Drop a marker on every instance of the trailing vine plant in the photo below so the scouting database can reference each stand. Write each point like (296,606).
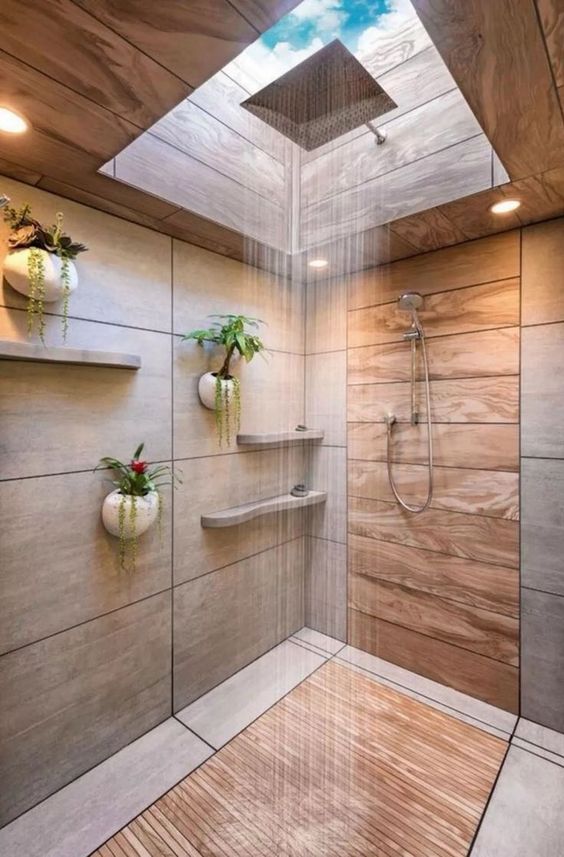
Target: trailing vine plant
(28,234)
(229,331)
(134,480)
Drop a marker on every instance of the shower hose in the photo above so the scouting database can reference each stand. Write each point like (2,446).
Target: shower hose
(390,422)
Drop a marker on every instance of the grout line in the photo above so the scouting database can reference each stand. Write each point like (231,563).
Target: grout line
(172,503)
(436,504)
(443,466)
(439,380)
(195,734)
(490,796)
(538,755)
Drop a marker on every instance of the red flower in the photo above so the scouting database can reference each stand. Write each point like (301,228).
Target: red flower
(139,466)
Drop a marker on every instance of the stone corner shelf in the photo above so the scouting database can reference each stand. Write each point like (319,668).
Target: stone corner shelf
(13,350)
(240,514)
(280,437)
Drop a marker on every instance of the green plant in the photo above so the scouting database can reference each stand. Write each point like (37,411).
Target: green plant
(136,479)
(28,234)
(229,332)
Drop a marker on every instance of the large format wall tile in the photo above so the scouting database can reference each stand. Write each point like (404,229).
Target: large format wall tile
(272,398)
(326,587)
(226,619)
(326,395)
(542,679)
(542,391)
(58,418)
(542,528)
(125,277)
(218,482)
(206,282)
(328,472)
(326,315)
(72,700)
(59,565)
(543,260)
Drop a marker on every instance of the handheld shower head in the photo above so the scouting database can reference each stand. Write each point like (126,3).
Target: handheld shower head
(411,302)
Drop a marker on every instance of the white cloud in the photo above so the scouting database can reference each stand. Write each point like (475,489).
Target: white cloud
(400,14)
(259,65)
(327,15)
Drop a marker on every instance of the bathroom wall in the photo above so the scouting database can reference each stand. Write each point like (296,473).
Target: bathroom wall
(542,463)
(438,593)
(92,657)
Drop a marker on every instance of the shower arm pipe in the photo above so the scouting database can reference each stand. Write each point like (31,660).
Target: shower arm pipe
(380,133)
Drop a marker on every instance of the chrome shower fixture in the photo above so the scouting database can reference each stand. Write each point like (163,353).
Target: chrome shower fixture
(4,200)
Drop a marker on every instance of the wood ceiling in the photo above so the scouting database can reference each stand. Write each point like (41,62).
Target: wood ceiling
(93,75)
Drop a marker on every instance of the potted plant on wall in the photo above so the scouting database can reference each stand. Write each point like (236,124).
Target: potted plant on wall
(136,503)
(39,265)
(220,391)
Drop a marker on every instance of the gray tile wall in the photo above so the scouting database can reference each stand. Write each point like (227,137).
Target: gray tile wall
(542,469)
(326,385)
(86,662)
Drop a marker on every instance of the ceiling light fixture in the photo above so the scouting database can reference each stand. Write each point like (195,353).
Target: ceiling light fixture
(11,122)
(318,263)
(505,207)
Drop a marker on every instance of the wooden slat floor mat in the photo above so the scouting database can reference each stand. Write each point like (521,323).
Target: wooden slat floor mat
(341,767)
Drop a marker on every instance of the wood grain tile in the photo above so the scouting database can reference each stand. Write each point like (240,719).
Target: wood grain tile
(470,627)
(82,413)
(419,790)
(491,305)
(252,475)
(450,665)
(541,196)
(470,536)
(484,261)
(469,355)
(226,619)
(475,584)
(326,311)
(473,216)
(428,230)
(79,696)
(543,257)
(77,576)
(473,400)
(479,492)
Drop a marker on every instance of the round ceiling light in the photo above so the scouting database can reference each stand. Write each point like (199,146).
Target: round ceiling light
(318,263)
(505,206)
(11,122)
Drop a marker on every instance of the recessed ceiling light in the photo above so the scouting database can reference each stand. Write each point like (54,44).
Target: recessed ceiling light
(505,207)
(318,263)
(11,122)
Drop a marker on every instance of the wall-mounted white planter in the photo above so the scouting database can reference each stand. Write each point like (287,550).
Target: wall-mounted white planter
(146,513)
(206,390)
(15,270)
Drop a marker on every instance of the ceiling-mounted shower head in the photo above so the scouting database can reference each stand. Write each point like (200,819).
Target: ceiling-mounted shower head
(322,98)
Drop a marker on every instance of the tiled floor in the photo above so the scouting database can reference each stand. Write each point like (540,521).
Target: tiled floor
(525,816)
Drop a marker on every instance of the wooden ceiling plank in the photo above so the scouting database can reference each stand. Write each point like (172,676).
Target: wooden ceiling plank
(541,196)
(18,172)
(428,230)
(496,53)
(472,215)
(191,40)
(60,113)
(62,41)
(551,13)
(263,14)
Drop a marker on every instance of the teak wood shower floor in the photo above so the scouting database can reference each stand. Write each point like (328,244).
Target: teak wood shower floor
(341,766)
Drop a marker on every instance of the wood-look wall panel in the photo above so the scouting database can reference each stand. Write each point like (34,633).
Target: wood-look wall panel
(445,175)
(450,121)
(395,46)
(410,84)
(428,230)
(191,184)
(469,355)
(478,492)
(450,665)
(483,307)
(262,14)
(465,400)
(490,634)
(484,261)
(541,196)
(482,446)
(476,584)
(470,536)
(484,44)
(211,142)
(90,58)
(191,40)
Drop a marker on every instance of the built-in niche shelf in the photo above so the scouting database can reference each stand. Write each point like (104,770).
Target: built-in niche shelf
(280,437)
(37,353)
(240,514)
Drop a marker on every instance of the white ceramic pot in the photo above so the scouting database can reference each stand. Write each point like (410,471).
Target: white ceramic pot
(15,271)
(146,513)
(206,390)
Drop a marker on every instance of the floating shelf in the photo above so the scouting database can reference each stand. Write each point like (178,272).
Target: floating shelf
(11,350)
(240,514)
(280,437)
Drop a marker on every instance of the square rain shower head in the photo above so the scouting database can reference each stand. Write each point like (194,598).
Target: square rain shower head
(322,98)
